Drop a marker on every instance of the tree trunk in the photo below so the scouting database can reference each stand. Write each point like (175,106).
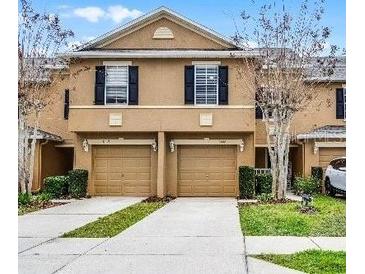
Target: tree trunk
(278,146)
(21,154)
(31,154)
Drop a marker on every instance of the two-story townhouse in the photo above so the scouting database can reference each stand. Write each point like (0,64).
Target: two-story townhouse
(161,110)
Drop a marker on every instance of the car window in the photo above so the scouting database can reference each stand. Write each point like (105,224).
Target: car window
(341,163)
(333,163)
(338,163)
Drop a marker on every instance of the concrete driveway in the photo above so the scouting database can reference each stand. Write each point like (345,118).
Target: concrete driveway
(44,225)
(188,235)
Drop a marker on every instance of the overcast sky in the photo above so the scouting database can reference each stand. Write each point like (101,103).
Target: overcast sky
(91,18)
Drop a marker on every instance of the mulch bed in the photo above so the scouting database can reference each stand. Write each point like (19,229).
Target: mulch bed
(35,206)
(154,199)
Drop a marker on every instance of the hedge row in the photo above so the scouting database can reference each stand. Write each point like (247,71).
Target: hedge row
(73,184)
(251,184)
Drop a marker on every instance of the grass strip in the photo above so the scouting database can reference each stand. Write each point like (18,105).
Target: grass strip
(116,222)
(311,261)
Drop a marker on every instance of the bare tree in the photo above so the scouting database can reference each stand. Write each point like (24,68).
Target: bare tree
(40,38)
(292,59)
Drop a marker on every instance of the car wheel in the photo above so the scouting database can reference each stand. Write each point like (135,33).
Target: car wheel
(329,189)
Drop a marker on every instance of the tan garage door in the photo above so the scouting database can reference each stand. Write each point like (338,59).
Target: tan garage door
(207,171)
(327,154)
(122,170)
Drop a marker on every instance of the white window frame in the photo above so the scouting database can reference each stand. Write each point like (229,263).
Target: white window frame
(217,93)
(116,64)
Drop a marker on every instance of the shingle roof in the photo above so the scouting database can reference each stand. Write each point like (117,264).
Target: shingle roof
(328,132)
(44,135)
(339,72)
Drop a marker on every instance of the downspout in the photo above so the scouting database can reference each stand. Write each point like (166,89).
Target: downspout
(40,163)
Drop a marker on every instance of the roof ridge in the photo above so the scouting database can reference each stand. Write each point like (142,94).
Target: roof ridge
(149,14)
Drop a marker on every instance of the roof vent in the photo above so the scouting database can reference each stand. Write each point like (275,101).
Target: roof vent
(163,33)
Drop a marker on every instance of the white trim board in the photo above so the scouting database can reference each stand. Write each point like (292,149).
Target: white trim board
(162,107)
(264,145)
(121,141)
(206,141)
(117,63)
(318,145)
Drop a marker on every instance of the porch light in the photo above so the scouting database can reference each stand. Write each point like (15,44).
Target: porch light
(154,146)
(85,145)
(172,146)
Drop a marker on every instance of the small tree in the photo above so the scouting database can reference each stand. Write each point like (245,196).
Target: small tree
(290,63)
(40,38)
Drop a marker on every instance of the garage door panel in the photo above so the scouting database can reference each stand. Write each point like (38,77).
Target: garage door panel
(207,171)
(122,170)
(101,152)
(326,155)
(215,176)
(100,176)
(114,176)
(115,152)
(101,163)
(136,152)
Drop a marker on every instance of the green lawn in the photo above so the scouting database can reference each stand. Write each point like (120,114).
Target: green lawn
(311,261)
(115,223)
(286,220)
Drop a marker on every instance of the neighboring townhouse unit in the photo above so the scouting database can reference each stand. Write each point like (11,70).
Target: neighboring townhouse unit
(159,108)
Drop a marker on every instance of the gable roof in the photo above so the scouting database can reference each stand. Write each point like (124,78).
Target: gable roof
(156,14)
(328,132)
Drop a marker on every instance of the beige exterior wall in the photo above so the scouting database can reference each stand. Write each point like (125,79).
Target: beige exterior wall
(162,114)
(161,82)
(321,112)
(143,38)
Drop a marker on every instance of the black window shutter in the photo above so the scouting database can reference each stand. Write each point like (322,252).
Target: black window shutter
(133,85)
(189,84)
(66,104)
(340,107)
(99,85)
(223,85)
(258,109)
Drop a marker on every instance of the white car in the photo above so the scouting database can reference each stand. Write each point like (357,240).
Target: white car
(335,177)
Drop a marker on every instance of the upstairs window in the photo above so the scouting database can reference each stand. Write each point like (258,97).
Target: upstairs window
(206,84)
(116,85)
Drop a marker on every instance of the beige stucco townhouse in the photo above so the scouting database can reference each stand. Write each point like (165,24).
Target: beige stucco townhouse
(159,109)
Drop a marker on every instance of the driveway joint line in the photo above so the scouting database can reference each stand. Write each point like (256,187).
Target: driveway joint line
(19,253)
(310,238)
(79,255)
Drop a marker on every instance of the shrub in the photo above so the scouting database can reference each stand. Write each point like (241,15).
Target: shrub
(56,186)
(317,172)
(265,197)
(77,183)
(24,199)
(42,197)
(246,182)
(263,183)
(309,185)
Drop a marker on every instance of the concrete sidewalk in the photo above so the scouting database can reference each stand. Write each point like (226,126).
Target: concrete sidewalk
(256,245)
(188,235)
